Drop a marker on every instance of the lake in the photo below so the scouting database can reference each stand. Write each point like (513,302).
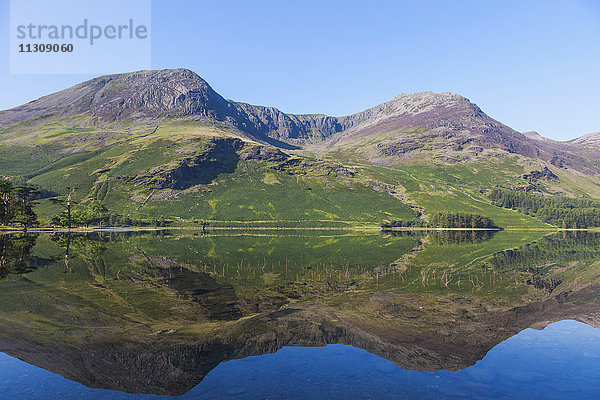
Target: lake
(300,314)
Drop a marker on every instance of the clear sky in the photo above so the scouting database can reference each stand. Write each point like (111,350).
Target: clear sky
(533,65)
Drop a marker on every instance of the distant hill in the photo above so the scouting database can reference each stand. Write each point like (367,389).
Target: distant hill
(589,141)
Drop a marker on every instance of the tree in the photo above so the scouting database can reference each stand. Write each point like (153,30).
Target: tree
(17,204)
(67,203)
(6,197)
(89,213)
(95,213)
(24,214)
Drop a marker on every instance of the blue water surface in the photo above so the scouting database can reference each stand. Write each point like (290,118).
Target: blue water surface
(561,361)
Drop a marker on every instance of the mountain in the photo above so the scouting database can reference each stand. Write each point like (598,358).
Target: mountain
(589,141)
(536,136)
(146,96)
(152,143)
(149,96)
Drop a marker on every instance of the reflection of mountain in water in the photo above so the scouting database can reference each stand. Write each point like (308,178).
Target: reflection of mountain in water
(149,323)
(219,299)
(446,237)
(560,248)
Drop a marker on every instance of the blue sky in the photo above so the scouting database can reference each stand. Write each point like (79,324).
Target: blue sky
(533,65)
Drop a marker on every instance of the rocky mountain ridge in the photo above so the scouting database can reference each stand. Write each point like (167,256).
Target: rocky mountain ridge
(410,122)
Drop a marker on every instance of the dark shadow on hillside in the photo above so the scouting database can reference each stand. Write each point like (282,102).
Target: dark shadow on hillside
(210,159)
(280,144)
(203,169)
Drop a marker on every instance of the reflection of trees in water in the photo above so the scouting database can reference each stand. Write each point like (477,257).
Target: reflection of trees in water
(407,233)
(453,238)
(88,245)
(15,254)
(445,238)
(16,257)
(558,248)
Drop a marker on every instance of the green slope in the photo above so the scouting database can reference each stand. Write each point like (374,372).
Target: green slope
(192,171)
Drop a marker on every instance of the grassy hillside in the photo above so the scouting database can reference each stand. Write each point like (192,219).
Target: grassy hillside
(457,188)
(188,170)
(164,144)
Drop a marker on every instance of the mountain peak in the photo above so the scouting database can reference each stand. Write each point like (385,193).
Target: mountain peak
(536,136)
(139,94)
(407,126)
(428,95)
(420,102)
(591,140)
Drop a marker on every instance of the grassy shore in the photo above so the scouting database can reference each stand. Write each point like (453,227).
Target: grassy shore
(271,226)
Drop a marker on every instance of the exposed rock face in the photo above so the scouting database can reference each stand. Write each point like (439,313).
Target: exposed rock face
(276,124)
(263,153)
(544,175)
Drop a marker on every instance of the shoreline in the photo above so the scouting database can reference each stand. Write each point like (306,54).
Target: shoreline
(362,228)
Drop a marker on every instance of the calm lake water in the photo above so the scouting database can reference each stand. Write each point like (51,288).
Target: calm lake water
(118,315)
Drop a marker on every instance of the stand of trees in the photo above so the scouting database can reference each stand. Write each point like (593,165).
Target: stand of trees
(446,219)
(561,211)
(400,223)
(17,204)
(91,213)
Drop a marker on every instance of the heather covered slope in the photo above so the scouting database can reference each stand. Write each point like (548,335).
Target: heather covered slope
(404,124)
(443,128)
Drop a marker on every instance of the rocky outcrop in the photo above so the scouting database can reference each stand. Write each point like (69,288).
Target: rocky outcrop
(263,153)
(212,158)
(545,174)
(271,122)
